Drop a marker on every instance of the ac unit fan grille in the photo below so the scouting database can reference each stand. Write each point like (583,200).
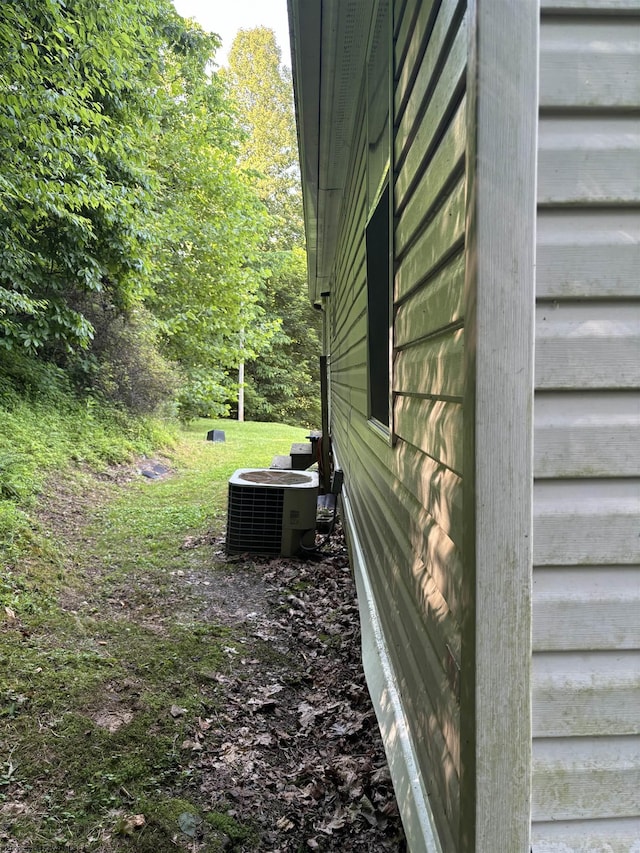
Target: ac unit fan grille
(254,520)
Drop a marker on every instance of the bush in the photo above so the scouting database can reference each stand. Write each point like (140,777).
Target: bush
(123,364)
(204,395)
(25,377)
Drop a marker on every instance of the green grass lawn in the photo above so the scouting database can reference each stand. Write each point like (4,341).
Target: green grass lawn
(91,623)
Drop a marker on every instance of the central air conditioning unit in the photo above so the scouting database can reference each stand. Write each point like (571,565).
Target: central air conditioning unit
(271,512)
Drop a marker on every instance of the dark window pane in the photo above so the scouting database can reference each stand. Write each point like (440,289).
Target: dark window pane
(378,294)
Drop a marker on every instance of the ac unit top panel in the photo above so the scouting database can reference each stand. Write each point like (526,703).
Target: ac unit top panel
(275,478)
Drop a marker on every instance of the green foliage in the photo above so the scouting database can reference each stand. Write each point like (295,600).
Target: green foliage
(23,377)
(124,365)
(208,227)
(282,384)
(205,394)
(76,86)
(15,531)
(263,91)
(119,186)
(46,432)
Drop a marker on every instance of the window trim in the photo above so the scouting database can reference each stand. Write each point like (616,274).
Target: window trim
(384,430)
(377,286)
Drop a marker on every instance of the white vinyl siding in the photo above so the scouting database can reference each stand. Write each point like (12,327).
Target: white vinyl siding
(586,577)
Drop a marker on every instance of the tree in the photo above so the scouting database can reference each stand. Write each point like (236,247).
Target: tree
(119,191)
(283,383)
(208,227)
(76,101)
(263,92)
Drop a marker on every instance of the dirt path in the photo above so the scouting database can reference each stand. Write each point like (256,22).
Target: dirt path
(274,745)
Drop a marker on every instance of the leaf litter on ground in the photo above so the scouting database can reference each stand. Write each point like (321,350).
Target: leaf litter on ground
(282,739)
(297,749)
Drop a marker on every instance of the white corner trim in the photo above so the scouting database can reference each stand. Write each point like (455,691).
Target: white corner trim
(411,794)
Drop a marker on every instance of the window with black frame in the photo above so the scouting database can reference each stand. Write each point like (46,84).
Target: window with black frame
(378,234)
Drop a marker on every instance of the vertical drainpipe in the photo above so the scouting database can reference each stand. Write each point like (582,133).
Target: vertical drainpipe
(324,403)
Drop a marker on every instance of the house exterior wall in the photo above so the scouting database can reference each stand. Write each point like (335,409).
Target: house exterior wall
(433,557)
(406,495)
(482,456)
(586,577)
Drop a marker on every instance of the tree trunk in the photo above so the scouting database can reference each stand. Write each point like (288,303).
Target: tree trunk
(241,391)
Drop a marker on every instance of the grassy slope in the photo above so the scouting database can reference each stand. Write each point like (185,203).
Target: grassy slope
(38,438)
(94,628)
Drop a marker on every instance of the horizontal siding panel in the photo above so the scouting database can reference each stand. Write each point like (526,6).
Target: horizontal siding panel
(440,303)
(414,514)
(433,426)
(586,522)
(587,254)
(349,268)
(359,400)
(439,240)
(586,587)
(587,346)
(354,327)
(589,161)
(434,487)
(352,259)
(354,356)
(593,836)
(587,62)
(353,377)
(447,159)
(430,709)
(435,620)
(402,14)
(437,724)
(408,42)
(425,135)
(340,433)
(585,778)
(353,323)
(350,378)
(587,435)
(590,6)
(425,544)
(413,640)
(434,366)
(410,101)
(357,285)
(591,608)
(428,633)
(373,492)
(356,301)
(583,694)
(345,399)
(443,561)
(355,274)
(328,204)
(418,539)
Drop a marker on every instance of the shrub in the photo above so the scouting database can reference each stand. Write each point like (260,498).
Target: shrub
(123,364)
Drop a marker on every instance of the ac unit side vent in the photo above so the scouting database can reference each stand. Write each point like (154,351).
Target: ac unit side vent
(254,521)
